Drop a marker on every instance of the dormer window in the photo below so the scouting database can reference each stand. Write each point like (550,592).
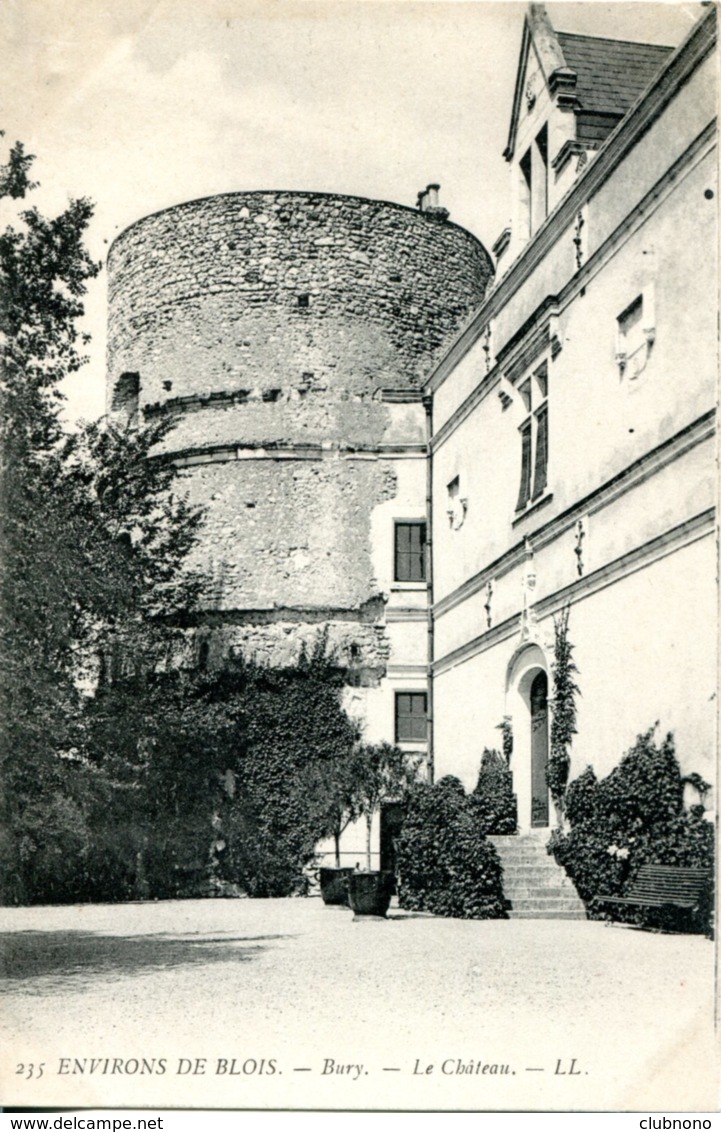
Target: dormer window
(571,92)
(541,201)
(525,196)
(533,185)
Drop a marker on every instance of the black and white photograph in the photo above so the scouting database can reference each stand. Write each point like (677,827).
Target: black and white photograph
(358,556)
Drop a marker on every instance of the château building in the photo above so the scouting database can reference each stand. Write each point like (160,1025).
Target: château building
(428,453)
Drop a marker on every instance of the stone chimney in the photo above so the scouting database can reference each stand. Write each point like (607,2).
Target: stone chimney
(428,203)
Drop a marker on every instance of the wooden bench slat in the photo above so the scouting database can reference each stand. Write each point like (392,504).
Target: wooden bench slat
(663,886)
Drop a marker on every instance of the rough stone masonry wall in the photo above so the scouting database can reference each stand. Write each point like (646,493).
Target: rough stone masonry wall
(288,533)
(269,323)
(211,295)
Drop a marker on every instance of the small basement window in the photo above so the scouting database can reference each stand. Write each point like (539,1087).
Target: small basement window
(303,301)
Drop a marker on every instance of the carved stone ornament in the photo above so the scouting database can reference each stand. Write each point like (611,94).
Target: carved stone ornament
(487,348)
(488,605)
(456,512)
(531,92)
(578,239)
(528,590)
(580,534)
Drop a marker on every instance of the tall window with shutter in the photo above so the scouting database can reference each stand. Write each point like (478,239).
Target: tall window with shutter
(524,491)
(411,717)
(534,438)
(410,552)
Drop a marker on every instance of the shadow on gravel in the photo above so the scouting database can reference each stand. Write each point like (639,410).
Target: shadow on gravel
(36,954)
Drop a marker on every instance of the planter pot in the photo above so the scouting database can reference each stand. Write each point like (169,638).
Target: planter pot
(334,885)
(369,894)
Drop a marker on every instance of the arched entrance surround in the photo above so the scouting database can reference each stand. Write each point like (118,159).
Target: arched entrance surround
(527,689)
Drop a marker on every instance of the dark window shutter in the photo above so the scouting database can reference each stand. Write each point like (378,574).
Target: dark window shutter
(540,471)
(411,714)
(524,492)
(410,552)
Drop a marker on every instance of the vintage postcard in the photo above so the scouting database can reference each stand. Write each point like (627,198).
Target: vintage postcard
(359,598)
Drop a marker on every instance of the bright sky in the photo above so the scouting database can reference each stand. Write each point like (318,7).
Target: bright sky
(140,104)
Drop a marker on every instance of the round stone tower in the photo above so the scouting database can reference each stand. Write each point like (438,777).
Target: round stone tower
(289,335)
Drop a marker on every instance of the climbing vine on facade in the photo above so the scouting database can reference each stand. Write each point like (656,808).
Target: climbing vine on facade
(506,729)
(563,709)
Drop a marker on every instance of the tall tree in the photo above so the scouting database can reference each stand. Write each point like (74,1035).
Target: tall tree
(92,536)
(44,271)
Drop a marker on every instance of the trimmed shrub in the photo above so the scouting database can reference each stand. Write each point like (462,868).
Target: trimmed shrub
(634,816)
(494,794)
(446,865)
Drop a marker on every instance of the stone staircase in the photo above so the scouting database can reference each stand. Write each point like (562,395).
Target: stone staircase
(536,886)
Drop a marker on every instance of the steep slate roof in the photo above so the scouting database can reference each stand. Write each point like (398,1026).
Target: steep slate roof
(599,79)
(612,73)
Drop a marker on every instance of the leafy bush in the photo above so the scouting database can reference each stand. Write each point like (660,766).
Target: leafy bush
(76,846)
(445,863)
(506,729)
(494,794)
(634,816)
(219,782)
(289,721)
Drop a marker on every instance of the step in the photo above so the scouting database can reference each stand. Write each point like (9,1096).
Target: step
(533,883)
(541,915)
(521,857)
(550,884)
(535,886)
(547,897)
(504,839)
(529,873)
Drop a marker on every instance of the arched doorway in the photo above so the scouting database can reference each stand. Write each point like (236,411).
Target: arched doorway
(539,750)
(527,705)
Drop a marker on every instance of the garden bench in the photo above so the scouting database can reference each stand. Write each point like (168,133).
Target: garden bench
(670,888)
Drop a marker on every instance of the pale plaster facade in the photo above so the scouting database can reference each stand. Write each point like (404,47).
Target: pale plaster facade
(611,300)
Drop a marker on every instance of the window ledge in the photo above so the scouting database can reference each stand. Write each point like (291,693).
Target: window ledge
(404,587)
(537,506)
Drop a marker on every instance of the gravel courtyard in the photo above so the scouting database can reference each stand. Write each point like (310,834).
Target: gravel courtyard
(286,1003)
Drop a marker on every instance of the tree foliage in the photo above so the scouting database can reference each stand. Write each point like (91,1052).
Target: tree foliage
(124,773)
(633,816)
(233,772)
(563,709)
(93,541)
(494,793)
(380,773)
(446,864)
